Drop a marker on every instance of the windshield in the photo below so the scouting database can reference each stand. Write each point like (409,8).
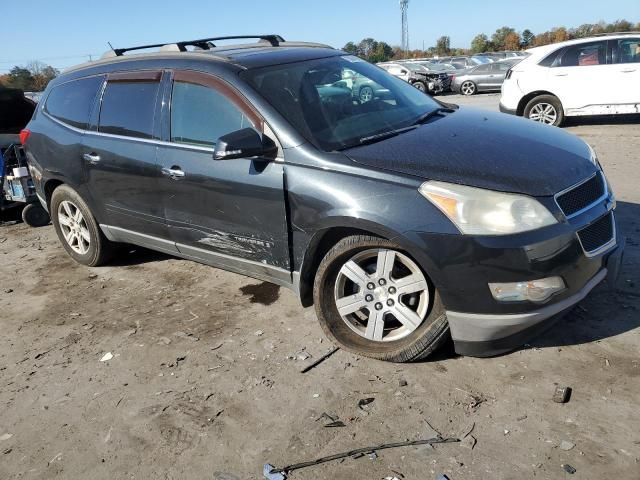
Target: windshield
(340,101)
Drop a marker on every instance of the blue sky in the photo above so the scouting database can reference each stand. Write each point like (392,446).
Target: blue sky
(64,32)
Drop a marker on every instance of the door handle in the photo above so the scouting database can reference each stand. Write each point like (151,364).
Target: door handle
(91,158)
(175,173)
(629,70)
(560,74)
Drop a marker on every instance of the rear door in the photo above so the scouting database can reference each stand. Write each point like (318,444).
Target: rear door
(228,213)
(481,77)
(625,74)
(120,154)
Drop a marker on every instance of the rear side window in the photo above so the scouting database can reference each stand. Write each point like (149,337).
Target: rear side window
(584,55)
(628,50)
(71,102)
(200,115)
(128,108)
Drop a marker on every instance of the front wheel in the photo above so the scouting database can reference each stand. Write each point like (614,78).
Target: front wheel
(373,299)
(420,86)
(545,109)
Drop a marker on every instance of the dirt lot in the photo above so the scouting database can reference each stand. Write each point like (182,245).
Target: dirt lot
(205,378)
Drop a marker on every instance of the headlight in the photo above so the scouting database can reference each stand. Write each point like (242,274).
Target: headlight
(476,211)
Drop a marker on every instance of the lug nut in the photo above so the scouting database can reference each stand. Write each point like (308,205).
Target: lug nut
(382,281)
(378,306)
(369,298)
(371,285)
(392,290)
(390,303)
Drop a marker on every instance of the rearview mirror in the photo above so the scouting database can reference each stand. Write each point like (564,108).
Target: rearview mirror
(245,143)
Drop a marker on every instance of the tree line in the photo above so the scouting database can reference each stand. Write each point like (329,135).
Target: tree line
(504,38)
(32,78)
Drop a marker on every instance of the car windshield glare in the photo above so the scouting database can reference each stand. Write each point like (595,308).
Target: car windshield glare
(337,102)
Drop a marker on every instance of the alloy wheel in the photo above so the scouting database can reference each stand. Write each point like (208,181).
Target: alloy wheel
(74,227)
(543,113)
(468,88)
(366,94)
(381,295)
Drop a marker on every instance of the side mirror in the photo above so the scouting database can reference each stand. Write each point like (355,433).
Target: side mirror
(245,143)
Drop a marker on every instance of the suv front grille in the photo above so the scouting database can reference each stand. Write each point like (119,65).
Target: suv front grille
(582,196)
(598,234)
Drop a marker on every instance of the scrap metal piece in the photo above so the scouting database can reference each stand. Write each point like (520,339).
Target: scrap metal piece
(319,360)
(271,473)
(270,470)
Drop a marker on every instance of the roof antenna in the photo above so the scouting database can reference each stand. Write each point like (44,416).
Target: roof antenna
(111,46)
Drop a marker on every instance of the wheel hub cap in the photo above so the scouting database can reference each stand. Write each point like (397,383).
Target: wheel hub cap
(543,113)
(73,227)
(381,295)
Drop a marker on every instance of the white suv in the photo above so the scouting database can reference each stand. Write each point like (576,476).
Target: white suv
(589,76)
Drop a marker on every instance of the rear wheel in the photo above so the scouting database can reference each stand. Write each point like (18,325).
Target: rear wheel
(366,94)
(77,229)
(468,88)
(372,299)
(35,215)
(545,109)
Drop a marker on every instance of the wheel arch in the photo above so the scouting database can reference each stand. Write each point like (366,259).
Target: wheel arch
(49,187)
(530,96)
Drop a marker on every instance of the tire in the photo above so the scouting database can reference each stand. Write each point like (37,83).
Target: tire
(545,109)
(468,88)
(420,86)
(35,215)
(365,94)
(396,341)
(87,244)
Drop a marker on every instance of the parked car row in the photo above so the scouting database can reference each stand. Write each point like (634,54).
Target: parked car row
(425,78)
(482,78)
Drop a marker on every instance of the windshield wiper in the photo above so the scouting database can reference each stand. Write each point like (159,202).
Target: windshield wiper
(384,135)
(438,111)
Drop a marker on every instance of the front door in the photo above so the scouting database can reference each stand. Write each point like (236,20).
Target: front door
(120,157)
(228,213)
(625,74)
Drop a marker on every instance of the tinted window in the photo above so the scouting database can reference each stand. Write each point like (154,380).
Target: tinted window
(628,50)
(128,108)
(200,115)
(500,67)
(71,102)
(584,55)
(482,69)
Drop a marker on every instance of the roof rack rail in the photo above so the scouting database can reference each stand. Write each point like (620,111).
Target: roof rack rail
(607,34)
(202,43)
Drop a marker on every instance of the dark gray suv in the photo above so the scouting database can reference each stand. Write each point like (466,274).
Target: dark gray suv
(402,219)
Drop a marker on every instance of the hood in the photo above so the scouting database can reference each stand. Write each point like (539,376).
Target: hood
(484,149)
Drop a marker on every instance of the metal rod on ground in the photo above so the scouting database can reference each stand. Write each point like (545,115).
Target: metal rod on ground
(297,466)
(319,360)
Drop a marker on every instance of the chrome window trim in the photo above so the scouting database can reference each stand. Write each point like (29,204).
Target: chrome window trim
(592,204)
(603,248)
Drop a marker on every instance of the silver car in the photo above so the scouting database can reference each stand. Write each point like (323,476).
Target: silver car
(483,78)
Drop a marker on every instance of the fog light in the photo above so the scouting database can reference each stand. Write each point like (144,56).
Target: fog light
(533,290)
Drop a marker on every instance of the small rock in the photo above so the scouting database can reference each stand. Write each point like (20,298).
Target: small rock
(106,357)
(373,455)
(128,333)
(506,432)
(568,468)
(7,451)
(566,445)
(92,276)
(303,356)
(87,326)
(402,382)
(258,333)
(5,436)
(164,341)
(316,395)
(8,290)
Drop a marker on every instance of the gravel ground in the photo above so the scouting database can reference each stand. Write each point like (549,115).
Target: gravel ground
(204,380)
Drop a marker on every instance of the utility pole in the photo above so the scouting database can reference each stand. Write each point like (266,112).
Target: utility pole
(404,5)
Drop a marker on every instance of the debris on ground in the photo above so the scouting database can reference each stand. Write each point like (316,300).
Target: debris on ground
(258,333)
(402,382)
(363,402)
(566,445)
(186,336)
(7,451)
(272,473)
(562,394)
(333,421)
(468,442)
(373,456)
(106,357)
(5,436)
(442,476)
(568,468)
(319,360)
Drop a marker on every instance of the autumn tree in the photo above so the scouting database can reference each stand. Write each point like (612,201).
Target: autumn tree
(512,41)
(480,44)
(498,39)
(443,45)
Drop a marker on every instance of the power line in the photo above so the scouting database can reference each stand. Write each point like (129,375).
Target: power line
(67,57)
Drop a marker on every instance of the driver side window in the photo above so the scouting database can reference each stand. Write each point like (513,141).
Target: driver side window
(201,114)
